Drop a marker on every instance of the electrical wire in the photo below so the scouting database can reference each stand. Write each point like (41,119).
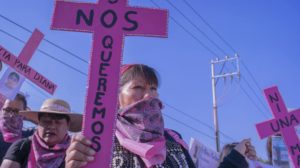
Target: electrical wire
(75,56)
(197,120)
(223,40)
(208,25)
(45,53)
(48,41)
(196,27)
(186,125)
(223,66)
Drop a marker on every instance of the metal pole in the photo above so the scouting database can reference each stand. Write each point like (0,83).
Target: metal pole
(215,109)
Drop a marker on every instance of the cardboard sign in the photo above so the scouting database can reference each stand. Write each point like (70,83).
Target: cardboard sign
(280,155)
(202,156)
(283,123)
(11,83)
(109,21)
(20,64)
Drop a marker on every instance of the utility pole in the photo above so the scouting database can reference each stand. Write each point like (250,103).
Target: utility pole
(215,77)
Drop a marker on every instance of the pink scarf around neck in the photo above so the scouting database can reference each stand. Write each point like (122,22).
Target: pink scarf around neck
(11,127)
(42,156)
(140,129)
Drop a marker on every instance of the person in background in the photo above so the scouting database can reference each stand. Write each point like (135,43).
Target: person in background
(47,146)
(11,123)
(234,155)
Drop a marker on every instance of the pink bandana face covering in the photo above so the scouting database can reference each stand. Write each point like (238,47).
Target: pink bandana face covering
(42,156)
(140,129)
(11,127)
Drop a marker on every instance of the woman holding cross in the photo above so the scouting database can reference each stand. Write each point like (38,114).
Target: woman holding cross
(141,140)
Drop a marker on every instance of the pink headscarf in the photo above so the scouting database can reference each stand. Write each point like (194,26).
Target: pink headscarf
(126,67)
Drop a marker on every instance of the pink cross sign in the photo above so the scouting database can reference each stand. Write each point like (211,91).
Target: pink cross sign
(284,123)
(19,64)
(109,21)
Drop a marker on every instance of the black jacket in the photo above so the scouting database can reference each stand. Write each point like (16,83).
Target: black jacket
(234,160)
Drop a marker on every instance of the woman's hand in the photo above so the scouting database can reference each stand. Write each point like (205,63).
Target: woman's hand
(250,152)
(79,152)
(246,149)
(241,147)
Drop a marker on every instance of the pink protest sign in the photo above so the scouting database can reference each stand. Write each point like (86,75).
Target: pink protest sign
(20,64)
(31,46)
(283,123)
(109,21)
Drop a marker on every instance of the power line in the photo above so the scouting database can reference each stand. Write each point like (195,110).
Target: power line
(249,97)
(48,41)
(210,27)
(221,70)
(258,97)
(188,32)
(16,38)
(193,36)
(253,102)
(197,120)
(67,51)
(257,85)
(251,75)
(226,89)
(190,6)
(45,53)
(77,57)
(58,60)
(222,39)
(251,88)
(202,32)
(186,125)
(195,26)
(37,89)
(230,46)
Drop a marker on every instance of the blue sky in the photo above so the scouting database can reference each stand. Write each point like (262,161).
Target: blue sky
(265,34)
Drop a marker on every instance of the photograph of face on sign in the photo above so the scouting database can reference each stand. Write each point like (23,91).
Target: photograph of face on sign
(10,83)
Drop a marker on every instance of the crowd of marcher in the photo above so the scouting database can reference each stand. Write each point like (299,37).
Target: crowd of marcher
(141,139)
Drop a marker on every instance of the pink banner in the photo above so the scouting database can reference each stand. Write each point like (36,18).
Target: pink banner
(25,70)
(109,21)
(283,123)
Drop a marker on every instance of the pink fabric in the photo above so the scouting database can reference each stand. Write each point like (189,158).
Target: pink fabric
(140,129)
(31,163)
(125,67)
(11,127)
(177,138)
(42,156)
